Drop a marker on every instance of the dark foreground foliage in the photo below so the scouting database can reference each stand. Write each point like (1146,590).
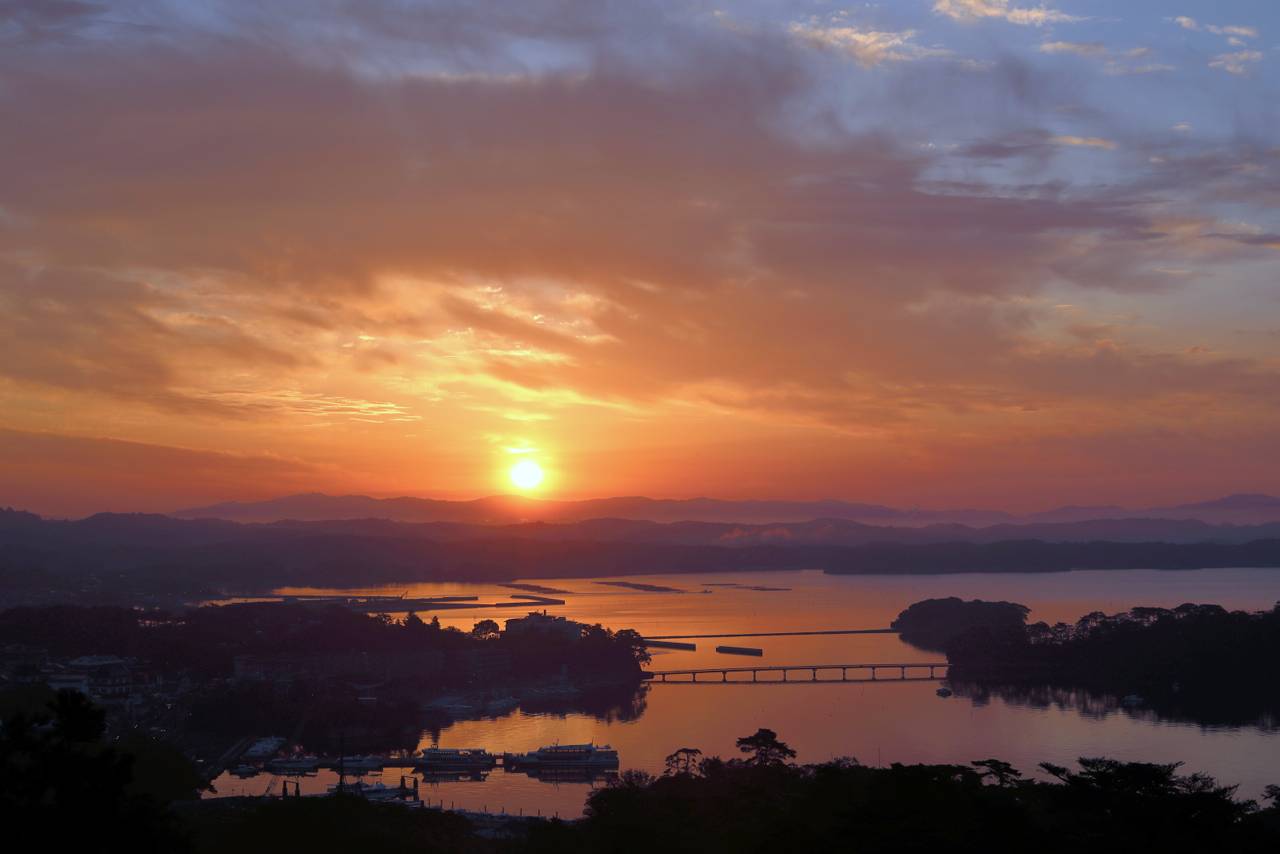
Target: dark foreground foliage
(62,788)
(763,804)
(342,823)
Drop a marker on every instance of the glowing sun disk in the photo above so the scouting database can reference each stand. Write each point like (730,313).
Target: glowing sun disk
(526,474)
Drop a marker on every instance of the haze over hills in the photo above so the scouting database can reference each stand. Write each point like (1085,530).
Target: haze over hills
(122,555)
(1239,509)
(111,554)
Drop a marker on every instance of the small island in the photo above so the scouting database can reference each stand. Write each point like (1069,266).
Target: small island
(1193,662)
(934,623)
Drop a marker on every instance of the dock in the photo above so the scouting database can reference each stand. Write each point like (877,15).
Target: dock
(665,644)
(740,650)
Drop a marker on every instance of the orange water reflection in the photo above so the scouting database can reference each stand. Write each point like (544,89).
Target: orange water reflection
(879,723)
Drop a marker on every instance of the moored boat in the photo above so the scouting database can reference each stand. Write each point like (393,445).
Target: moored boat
(358,764)
(294,765)
(564,756)
(373,791)
(455,759)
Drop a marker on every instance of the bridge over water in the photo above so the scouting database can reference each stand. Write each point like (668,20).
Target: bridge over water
(805,673)
(775,634)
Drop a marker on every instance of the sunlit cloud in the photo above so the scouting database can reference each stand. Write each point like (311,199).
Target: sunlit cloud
(1114,62)
(1084,142)
(1236,62)
(631,229)
(867,47)
(1232,30)
(973,10)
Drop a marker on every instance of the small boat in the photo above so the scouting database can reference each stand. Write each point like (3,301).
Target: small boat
(371,791)
(442,759)
(264,747)
(563,756)
(359,764)
(943,692)
(432,774)
(294,765)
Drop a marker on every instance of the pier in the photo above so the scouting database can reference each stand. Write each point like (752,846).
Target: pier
(801,674)
(663,644)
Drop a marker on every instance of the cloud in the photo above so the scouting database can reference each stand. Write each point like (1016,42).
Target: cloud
(1084,142)
(1236,62)
(1078,48)
(1234,30)
(1115,62)
(33,21)
(867,47)
(973,10)
(83,330)
(65,474)
(342,234)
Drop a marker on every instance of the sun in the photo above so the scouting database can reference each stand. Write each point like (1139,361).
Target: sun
(526,474)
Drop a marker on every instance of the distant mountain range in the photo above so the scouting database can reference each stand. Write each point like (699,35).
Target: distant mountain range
(109,530)
(143,554)
(1242,509)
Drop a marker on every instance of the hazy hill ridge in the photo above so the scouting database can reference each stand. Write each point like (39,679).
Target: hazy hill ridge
(1241,509)
(154,552)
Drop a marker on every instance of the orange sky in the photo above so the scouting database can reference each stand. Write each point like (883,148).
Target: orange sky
(674,254)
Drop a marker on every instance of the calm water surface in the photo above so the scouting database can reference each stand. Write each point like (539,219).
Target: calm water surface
(880,723)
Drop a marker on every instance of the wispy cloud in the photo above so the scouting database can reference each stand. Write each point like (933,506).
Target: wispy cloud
(1077,48)
(867,47)
(1115,62)
(973,10)
(1236,62)
(1231,30)
(1084,142)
